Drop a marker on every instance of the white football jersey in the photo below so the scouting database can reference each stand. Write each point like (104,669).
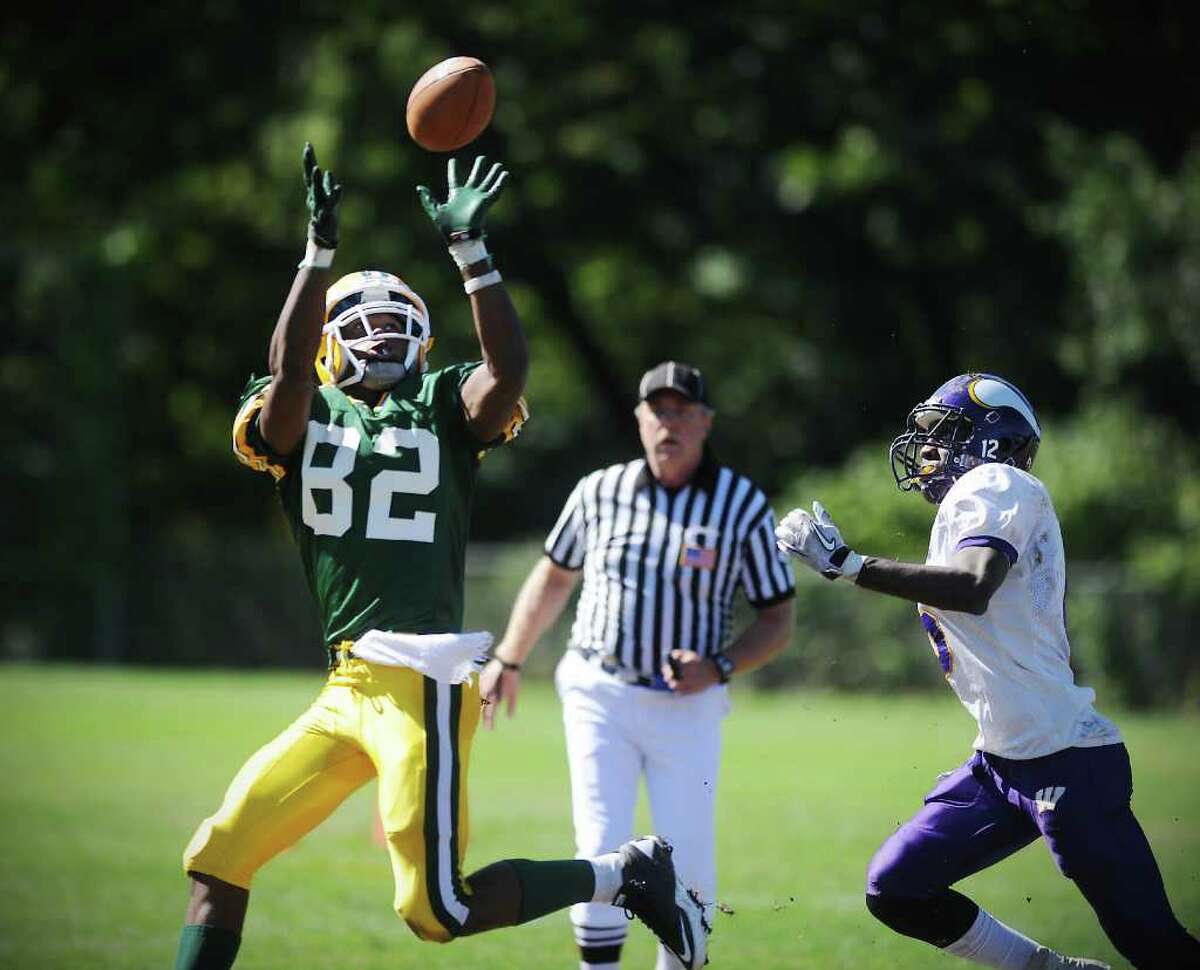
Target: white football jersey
(1010,667)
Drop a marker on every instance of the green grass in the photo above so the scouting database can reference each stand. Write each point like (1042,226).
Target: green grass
(104,773)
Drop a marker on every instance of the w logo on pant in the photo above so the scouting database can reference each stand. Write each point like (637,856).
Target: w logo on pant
(1047,798)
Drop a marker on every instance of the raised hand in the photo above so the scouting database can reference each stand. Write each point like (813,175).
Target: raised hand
(816,541)
(324,194)
(462,215)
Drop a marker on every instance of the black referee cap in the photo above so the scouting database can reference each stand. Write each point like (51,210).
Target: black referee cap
(671,375)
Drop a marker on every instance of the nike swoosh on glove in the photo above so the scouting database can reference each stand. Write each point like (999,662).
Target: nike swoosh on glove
(815,540)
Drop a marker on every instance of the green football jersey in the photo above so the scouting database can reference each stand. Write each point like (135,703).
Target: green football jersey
(379,501)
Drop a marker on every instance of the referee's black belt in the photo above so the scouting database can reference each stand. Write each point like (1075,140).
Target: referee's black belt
(611,665)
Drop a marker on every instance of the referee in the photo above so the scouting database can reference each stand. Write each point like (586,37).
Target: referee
(663,543)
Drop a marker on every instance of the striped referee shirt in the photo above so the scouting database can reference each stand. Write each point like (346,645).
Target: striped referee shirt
(661,566)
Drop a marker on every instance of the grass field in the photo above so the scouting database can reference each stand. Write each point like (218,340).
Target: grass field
(105,773)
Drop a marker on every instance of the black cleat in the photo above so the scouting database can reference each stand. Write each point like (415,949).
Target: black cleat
(652,892)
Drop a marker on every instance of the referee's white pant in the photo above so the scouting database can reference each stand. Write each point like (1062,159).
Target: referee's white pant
(616,732)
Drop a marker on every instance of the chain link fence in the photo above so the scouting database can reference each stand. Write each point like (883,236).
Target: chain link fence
(230,600)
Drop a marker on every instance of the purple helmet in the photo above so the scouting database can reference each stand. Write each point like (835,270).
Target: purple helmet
(970,420)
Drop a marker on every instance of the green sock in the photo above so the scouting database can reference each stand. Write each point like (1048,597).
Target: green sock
(547,886)
(206,948)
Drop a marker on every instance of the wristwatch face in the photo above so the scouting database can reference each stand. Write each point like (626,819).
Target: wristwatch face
(724,666)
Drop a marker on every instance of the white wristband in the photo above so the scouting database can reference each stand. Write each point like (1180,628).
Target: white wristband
(477,283)
(468,251)
(316,257)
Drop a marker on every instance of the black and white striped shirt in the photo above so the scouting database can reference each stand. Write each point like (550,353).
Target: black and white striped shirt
(660,567)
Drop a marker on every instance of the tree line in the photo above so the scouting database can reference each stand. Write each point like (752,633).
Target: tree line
(828,209)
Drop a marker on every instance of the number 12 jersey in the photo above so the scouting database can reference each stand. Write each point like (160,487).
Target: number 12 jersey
(1010,667)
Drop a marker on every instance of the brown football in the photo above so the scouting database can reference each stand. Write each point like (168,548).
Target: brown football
(451,104)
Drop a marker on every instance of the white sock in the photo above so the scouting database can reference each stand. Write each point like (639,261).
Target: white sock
(599,966)
(607,868)
(992,944)
(666,960)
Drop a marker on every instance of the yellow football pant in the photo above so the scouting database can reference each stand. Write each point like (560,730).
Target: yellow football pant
(411,732)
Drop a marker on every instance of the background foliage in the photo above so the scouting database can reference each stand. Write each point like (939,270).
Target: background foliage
(828,207)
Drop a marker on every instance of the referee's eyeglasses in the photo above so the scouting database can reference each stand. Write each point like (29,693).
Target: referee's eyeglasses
(674,410)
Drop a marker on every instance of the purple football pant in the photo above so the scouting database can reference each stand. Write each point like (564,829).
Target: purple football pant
(1077,800)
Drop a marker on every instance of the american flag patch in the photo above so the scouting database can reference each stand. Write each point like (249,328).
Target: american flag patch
(698,557)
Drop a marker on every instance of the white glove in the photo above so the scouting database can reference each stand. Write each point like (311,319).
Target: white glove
(817,542)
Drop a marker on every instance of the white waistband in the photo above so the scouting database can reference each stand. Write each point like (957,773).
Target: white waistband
(450,658)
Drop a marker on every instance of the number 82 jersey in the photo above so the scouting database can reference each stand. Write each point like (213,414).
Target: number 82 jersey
(378,500)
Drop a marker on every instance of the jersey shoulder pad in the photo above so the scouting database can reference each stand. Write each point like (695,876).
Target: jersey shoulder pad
(997,480)
(995,505)
(448,381)
(248,445)
(516,422)
(442,389)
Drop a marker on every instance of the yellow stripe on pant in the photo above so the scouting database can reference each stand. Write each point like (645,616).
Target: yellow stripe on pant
(411,732)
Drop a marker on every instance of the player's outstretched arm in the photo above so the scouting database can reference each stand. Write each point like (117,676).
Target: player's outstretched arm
(540,602)
(491,394)
(965,586)
(298,331)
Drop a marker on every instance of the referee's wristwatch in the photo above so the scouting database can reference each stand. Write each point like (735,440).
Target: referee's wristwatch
(723,664)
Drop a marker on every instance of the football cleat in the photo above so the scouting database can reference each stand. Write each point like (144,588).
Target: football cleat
(651,891)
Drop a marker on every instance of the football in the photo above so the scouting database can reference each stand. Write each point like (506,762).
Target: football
(451,104)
